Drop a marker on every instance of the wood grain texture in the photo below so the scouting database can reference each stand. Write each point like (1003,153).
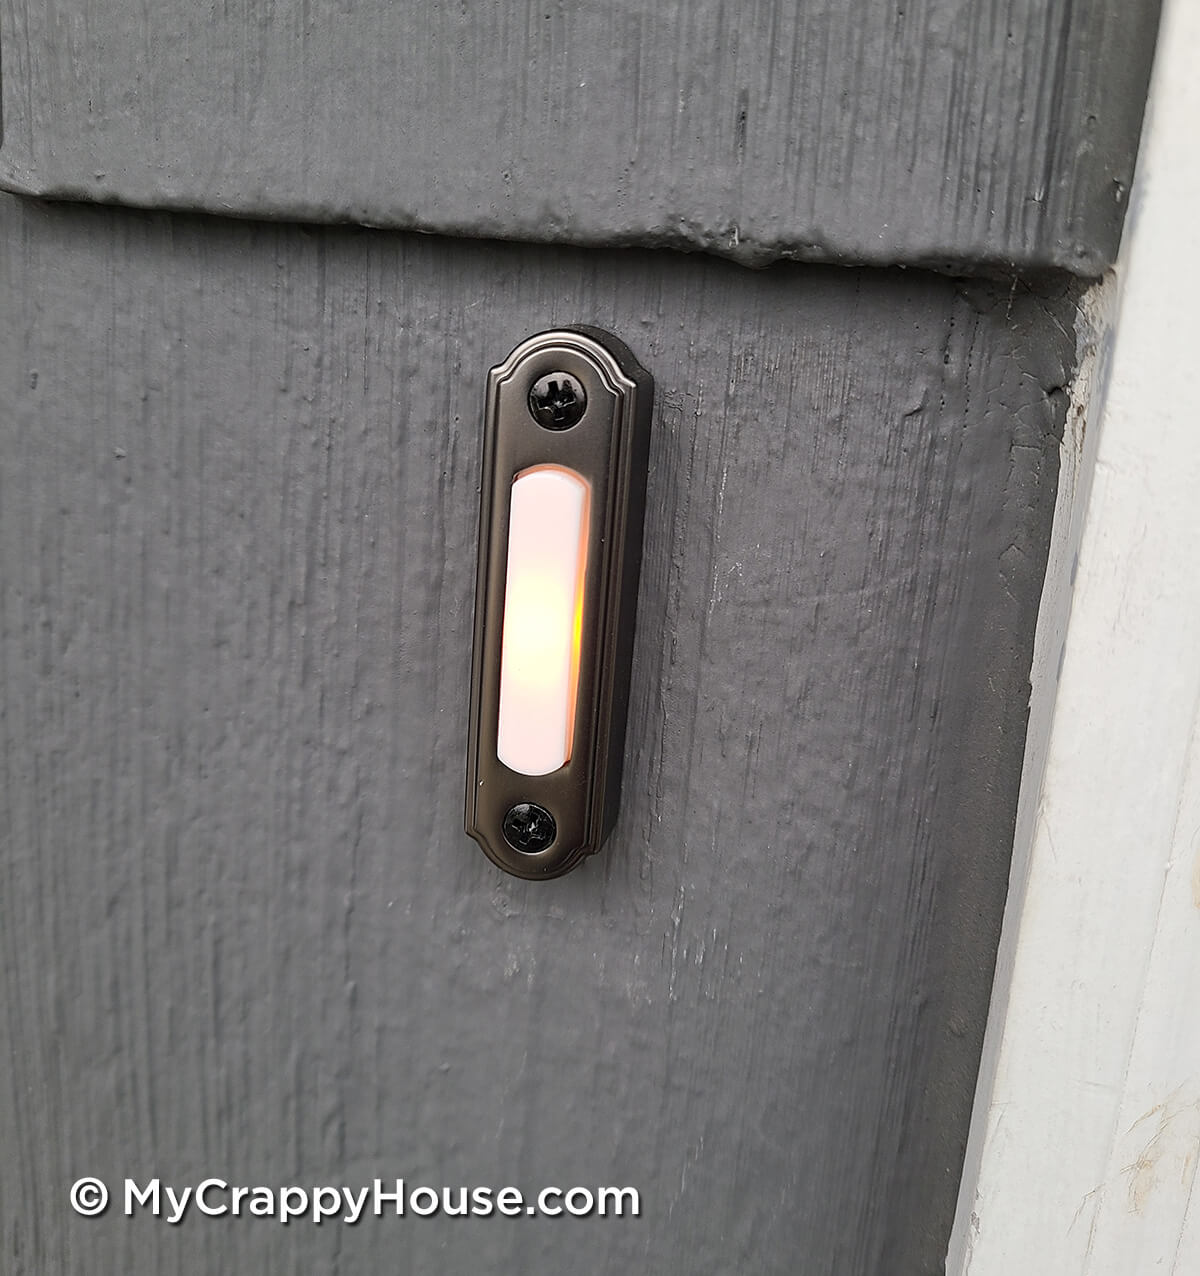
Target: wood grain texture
(998,135)
(1086,1130)
(243,931)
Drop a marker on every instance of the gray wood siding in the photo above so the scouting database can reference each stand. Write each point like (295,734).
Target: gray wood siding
(997,135)
(241,930)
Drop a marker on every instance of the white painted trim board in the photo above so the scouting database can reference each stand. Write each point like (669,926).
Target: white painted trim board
(1086,1136)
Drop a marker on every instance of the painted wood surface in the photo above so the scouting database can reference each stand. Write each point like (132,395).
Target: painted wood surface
(243,931)
(996,135)
(1087,1138)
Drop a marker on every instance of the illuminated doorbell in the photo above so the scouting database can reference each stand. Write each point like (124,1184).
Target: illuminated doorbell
(565,450)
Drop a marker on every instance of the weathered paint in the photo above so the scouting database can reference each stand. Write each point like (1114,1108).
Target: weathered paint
(244,933)
(995,135)
(1087,1130)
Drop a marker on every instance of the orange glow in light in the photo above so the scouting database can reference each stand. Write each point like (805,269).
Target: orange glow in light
(543,618)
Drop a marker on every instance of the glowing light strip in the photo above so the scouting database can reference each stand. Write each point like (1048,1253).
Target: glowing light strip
(543,618)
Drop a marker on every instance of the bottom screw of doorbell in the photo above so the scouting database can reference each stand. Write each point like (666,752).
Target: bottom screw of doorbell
(529,828)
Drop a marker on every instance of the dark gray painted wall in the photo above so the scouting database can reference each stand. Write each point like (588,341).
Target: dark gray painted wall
(242,932)
(990,135)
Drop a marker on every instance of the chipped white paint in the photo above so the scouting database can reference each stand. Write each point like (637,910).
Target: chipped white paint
(1086,1138)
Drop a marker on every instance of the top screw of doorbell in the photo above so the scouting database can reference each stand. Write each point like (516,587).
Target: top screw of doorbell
(557,401)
